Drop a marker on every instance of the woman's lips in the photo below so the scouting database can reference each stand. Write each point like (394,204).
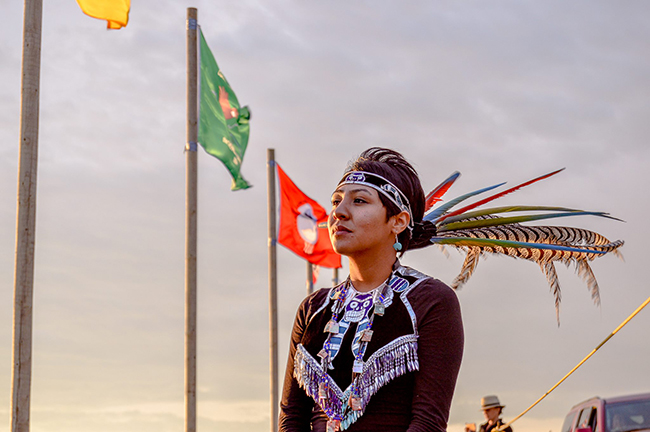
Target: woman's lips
(339,229)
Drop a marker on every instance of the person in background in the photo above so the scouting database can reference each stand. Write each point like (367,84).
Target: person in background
(492,410)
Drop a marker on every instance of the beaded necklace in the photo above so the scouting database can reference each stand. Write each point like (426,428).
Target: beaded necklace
(332,328)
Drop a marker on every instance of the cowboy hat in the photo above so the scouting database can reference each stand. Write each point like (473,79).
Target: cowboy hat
(490,401)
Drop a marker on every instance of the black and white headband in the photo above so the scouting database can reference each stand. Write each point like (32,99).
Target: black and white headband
(381,185)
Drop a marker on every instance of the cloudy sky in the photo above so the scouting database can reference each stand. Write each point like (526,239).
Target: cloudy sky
(501,91)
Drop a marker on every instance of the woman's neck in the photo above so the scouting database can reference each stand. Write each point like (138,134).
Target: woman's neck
(367,273)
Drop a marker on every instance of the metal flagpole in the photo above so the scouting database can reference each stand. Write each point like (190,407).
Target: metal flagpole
(335,277)
(310,278)
(21,368)
(191,223)
(273,289)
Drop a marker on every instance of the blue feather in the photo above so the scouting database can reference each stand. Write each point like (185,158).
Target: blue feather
(470,241)
(437,212)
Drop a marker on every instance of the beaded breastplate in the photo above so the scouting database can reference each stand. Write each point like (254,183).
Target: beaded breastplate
(369,373)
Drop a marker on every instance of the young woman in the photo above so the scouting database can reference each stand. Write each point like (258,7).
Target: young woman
(382,350)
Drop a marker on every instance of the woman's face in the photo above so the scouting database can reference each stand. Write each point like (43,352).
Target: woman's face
(357,223)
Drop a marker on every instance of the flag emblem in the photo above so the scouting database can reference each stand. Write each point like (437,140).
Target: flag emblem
(307,225)
(299,220)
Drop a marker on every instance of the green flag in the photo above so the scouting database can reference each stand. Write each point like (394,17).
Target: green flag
(223,124)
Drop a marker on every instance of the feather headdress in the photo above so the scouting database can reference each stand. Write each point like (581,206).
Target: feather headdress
(496,230)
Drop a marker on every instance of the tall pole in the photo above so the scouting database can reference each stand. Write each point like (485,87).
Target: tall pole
(273,290)
(21,368)
(335,276)
(310,278)
(191,224)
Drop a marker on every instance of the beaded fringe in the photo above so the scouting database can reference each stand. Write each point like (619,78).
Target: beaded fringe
(391,361)
(309,374)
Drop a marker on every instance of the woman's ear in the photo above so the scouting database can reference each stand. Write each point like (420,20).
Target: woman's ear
(400,222)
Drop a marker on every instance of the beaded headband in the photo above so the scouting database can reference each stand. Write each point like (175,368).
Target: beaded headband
(381,185)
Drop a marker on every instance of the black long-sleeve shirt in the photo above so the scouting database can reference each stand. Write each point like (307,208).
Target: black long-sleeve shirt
(415,401)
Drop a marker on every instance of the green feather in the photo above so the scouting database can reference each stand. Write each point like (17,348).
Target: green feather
(504,209)
(480,223)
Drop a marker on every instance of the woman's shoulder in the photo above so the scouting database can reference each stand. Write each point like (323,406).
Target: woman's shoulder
(434,303)
(420,282)
(427,289)
(432,285)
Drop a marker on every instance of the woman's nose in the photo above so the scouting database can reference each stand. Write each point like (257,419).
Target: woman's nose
(340,211)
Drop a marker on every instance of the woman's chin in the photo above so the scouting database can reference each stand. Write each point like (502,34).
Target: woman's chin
(342,248)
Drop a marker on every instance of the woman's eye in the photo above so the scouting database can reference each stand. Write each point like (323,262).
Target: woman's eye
(336,202)
(359,200)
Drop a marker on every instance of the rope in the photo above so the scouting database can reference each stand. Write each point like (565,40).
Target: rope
(644,304)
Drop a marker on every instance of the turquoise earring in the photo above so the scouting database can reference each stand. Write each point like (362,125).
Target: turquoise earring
(397,246)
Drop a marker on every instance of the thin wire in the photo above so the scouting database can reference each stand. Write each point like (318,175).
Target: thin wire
(644,304)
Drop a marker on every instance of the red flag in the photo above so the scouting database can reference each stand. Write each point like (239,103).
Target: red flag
(299,219)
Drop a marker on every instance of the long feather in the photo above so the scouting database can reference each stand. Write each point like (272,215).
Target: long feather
(557,234)
(479,223)
(437,212)
(469,265)
(489,242)
(554,284)
(504,209)
(498,195)
(584,270)
(436,195)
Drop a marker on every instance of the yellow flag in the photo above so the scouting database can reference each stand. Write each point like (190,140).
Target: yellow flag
(116,12)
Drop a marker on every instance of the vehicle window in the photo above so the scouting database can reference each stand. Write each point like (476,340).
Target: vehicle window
(567,426)
(586,417)
(627,416)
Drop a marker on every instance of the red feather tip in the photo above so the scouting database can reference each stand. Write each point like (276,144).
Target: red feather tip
(498,195)
(436,195)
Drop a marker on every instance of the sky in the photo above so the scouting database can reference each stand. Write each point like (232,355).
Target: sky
(500,91)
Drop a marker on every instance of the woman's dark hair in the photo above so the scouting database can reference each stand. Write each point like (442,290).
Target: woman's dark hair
(395,168)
